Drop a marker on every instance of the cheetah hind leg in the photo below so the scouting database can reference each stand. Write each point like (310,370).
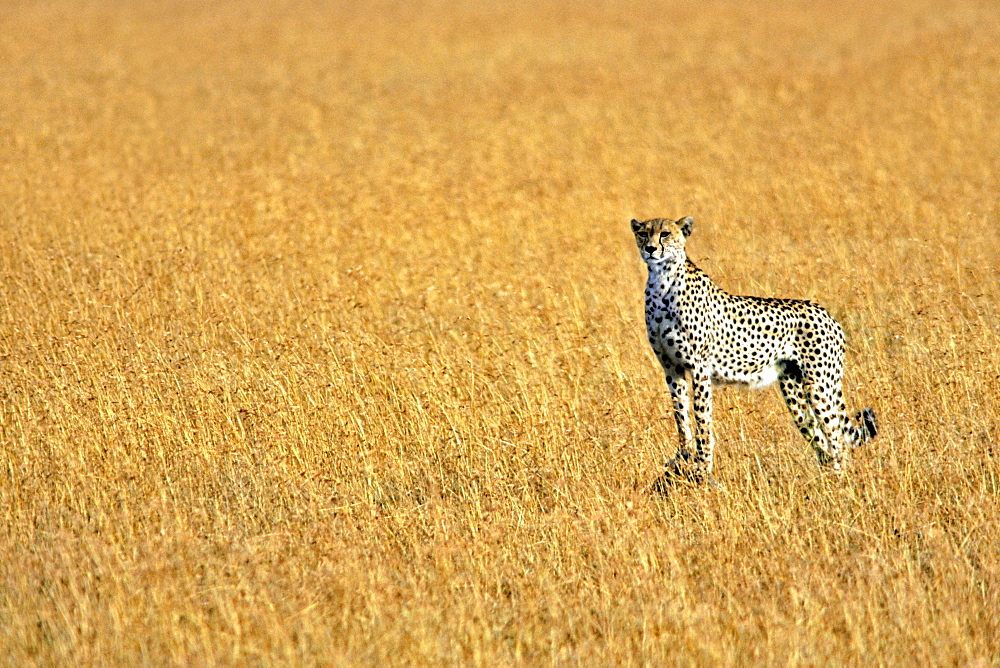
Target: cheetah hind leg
(794,394)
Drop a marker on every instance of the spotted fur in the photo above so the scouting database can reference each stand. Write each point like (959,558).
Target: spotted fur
(698,330)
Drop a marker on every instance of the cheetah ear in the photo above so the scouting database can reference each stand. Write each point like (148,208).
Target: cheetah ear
(636,225)
(687,224)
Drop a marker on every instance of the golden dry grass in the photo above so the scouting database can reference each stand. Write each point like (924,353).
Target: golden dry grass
(321,331)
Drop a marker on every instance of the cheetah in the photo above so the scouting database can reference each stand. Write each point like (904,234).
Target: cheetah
(697,328)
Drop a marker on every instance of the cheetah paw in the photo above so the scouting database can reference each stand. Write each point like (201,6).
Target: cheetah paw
(679,470)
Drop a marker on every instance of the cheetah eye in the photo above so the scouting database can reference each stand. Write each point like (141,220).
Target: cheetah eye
(663,234)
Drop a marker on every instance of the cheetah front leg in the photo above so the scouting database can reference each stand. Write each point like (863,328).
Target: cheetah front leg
(704,440)
(677,383)
(693,461)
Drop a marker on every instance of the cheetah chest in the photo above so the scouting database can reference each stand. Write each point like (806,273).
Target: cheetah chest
(666,333)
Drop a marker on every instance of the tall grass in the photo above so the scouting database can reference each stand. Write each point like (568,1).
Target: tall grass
(321,331)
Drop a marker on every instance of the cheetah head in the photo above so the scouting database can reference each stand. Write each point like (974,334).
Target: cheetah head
(661,241)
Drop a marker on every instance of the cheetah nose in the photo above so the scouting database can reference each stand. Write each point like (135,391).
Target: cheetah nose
(650,249)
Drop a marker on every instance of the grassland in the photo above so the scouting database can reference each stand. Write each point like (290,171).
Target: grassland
(321,331)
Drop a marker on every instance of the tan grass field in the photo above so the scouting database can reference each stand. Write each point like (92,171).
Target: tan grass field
(321,334)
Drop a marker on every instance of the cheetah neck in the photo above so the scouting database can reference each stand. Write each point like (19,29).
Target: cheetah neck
(667,277)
